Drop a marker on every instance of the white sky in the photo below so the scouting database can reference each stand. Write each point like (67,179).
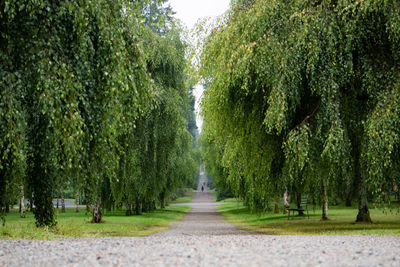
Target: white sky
(189,12)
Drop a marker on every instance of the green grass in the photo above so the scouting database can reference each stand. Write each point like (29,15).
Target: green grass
(227,200)
(182,200)
(72,224)
(188,197)
(341,222)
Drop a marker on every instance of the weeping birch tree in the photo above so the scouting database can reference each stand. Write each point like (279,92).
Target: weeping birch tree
(82,103)
(304,93)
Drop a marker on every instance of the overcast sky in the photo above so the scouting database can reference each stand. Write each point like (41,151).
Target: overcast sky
(189,11)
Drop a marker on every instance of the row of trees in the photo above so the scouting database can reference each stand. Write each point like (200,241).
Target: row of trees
(304,97)
(93,96)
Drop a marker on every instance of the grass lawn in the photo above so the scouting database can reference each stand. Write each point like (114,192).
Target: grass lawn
(341,221)
(188,197)
(231,199)
(72,224)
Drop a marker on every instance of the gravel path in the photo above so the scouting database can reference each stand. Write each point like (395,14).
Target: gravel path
(204,239)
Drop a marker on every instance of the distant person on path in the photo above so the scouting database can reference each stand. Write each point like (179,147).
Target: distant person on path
(202,188)
(396,192)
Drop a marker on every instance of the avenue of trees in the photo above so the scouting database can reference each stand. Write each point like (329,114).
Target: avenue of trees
(93,98)
(303,97)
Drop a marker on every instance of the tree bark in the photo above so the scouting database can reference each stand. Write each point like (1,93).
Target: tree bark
(348,192)
(77,201)
(128,209)
(62,200)
(137,208)
(162,199)
(363,211)
(325,201)
(301,213)
(285,202)
(144,206)
(7,207)
(22,202)
(96,218)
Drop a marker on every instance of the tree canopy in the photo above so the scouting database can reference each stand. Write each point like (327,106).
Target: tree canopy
(93,92)
(304,94)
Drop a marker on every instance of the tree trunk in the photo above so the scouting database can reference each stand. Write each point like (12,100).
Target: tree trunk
(144,206)
(148,206)
(22,203)
(162,199)
(325,201)
(7,207)
(77,201)
(363,211)
(137,208)
(57,203)
(348,192)
(96,218)
(301,213)
(62,200)
(128,209)
(285,202)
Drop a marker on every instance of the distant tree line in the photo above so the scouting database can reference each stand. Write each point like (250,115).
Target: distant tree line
(303,97)
(93,98)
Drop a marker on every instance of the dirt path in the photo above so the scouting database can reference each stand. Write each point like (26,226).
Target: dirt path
(203,219)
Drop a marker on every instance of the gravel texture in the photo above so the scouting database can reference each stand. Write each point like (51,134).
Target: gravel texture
(204,239)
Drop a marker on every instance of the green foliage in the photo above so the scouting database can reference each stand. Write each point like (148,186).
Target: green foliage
(302,91)
(93,98)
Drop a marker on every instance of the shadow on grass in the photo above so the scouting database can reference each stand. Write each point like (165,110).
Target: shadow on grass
(72,224)
(339,228)
(342,221)
(122,213)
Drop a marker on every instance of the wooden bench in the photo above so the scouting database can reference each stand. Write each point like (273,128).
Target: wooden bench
(303,207)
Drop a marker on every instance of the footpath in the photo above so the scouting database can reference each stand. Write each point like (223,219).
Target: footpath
(203,219)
